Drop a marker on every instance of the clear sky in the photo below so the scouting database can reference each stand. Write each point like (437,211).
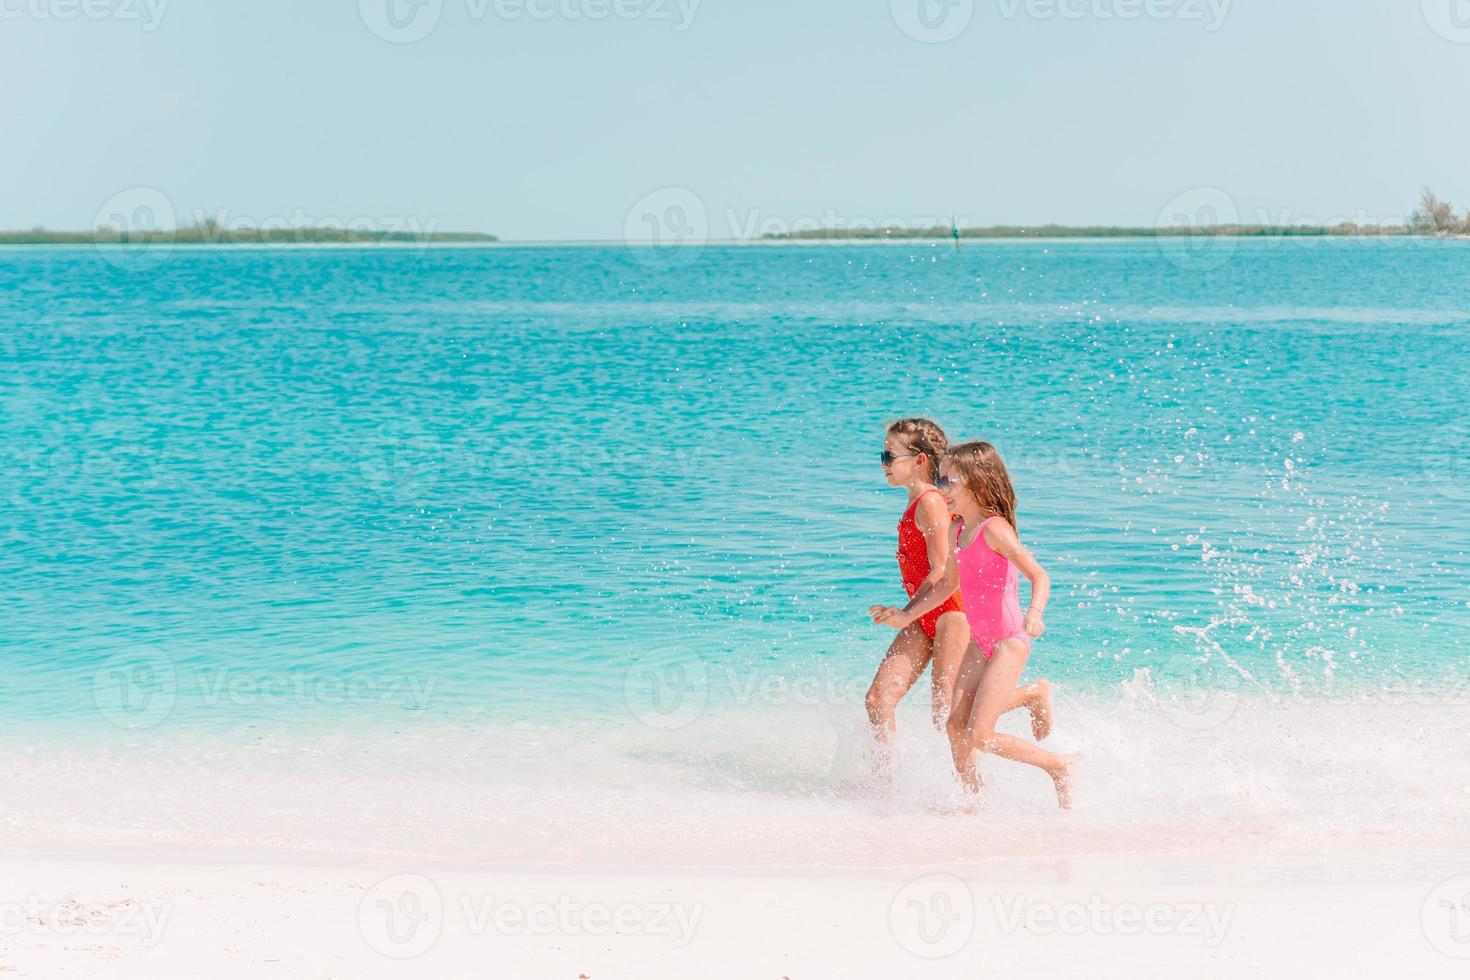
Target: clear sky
(551,119)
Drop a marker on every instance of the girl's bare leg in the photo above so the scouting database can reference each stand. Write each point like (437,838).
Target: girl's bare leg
(951,637)
(957,726)
(906,659)
(996,689)
(1035,698)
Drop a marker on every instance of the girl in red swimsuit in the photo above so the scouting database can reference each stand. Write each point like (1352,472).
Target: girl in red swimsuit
(912,452)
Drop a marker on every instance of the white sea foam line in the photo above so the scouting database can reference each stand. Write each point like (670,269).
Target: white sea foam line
(769,786)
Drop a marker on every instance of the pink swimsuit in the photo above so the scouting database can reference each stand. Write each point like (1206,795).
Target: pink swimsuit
(988,584)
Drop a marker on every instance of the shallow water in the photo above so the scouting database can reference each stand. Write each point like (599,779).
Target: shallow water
(285,486)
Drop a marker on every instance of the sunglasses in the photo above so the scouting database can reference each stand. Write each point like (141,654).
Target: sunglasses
(889,458)
(944,484)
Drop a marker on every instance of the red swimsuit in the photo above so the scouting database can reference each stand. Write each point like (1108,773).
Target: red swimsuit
(913,565)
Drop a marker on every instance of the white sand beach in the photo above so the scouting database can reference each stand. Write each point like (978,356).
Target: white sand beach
(741,849)
(1205,916)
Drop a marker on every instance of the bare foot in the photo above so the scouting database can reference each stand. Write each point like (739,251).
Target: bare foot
(965,808)
(1066,779)
(1040,707)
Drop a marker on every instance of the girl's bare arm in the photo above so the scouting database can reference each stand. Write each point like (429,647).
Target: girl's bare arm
(930,596)
(1003,540)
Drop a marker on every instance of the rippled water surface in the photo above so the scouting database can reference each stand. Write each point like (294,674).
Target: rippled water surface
(288,485)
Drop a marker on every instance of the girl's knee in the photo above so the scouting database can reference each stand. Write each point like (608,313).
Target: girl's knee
(958,721)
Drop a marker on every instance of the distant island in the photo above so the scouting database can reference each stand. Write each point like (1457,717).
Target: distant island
(211,233)
(1433,217)
(899,233)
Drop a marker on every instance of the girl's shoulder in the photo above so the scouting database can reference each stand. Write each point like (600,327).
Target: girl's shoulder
(998,530)
(930,508)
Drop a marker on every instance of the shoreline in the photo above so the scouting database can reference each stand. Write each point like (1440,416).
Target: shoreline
(714,243)
(757,787)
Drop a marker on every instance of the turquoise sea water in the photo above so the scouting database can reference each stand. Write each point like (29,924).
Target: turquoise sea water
(304,485)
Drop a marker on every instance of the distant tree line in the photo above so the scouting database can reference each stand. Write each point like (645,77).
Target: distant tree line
(208,231)
(1436,217)
(1432,217)
(897,232)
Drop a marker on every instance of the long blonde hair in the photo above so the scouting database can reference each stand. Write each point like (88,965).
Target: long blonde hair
(984,474)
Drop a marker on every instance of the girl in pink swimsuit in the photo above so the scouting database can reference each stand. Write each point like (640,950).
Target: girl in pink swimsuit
(912,450)
(986,562)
